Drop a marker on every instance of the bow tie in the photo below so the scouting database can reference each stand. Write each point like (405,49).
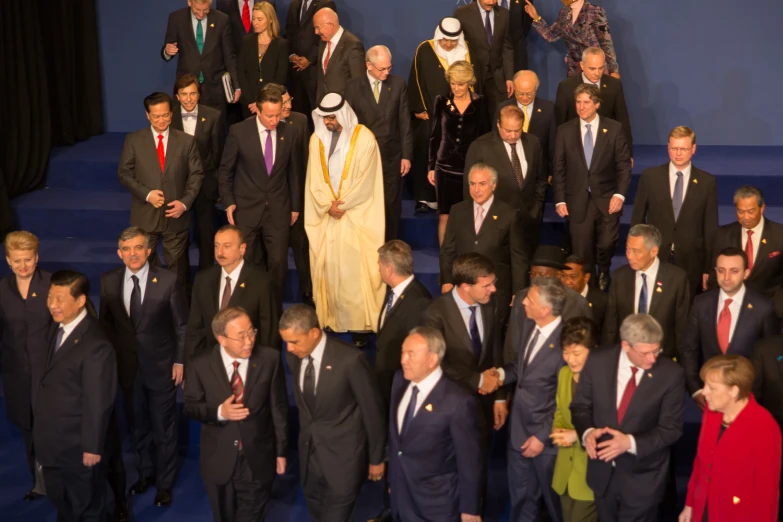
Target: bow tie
(189,115)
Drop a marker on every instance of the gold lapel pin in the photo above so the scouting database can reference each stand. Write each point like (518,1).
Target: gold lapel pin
(328,367)
(696,181)
(76,341)
(203,119)
(750,306)
(590,305)
(495,218)
(736,500)
(604,85)
(649,375)
(213,25)
(35,295)
(428,407)
(605,131)
(241,285)
(254,365)
(539,110)
(388,89)
(551,345)
(659,290)
(764,241)
(402,296)
(154,279)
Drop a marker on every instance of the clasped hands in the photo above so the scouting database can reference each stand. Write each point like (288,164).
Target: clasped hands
(176,207)
(490,381)
(607,450)
(335,211)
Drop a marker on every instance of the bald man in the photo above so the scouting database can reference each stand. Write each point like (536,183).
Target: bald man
(340,54)
(380,102)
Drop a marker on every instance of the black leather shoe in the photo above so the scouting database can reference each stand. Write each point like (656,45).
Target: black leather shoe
(384,516)
(31,495)
(603,281)
(141,485)
(359,340)
(421,208)
(163,498)
(121,513)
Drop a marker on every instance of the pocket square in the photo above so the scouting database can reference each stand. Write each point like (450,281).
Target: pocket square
(774,254)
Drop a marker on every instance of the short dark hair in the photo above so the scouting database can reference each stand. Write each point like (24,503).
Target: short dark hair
(157,98)
(228,228)
(579,330)
(732,252)
(131,233)
(746,191)
(588,88)
(269,96)
(467,268)
(78,282)
(300,317)
(186,80)
(576,260)
(276,88)
(225,316)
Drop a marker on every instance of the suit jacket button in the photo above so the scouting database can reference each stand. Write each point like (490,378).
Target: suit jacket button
(475,242)
(236,443)
(399,454)
(459,126)
(457,140)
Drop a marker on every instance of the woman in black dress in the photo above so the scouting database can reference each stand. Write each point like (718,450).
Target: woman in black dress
(263,57)
(458,119)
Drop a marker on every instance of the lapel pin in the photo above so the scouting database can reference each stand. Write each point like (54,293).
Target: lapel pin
(539,110)
(282,138)
(604,85)
(649,375)
(203,119)
(696,181)
(241,285)
(750,306)
(590,305)
(154,279)
(605,131)
(495,218)
(402,296)
(76,341)
(428,407)
(388,89)
(551,345)
(35,295)
(254,365)
(736,500)
(213,25)
(660,283)
(659,290)
(328,367)
(764,241)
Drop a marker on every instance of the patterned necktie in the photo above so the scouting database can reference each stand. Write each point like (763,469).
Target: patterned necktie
(529,350)
(246,17)
(526,125)
(724,326)
(410,411)
(269,153)
(588,145)
(389,304)
(376,90)
(630,388)
(304,10)
(677,196)
(643,295)
(328,54)
(226,294)
(135,302)
(308,386)
(516,165)
(200,45)
(237,388)
(488,28)
(479,218)
(749,250)
(475,336)
(161,153)
(59,339)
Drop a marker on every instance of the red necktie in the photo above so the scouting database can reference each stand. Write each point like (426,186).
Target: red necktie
(328,54)
(724,326)
(246,17)
(161,153)
(237,388)
(627,395)
(749,249)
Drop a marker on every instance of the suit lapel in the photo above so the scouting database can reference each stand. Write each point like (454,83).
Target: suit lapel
(713,321)
(210,37)
(176,118)
(501,151)
(296,369)
(486,320)
(656,296)
(383,309)
(544,351)
(171,150)
(455,317)
(599,142)
(383,99)
(151,289)
(529,158)
(764,249)
(121,293)
(479,16)
(429,404)
(324,380)
(252,375)
(395,407)
(68,344)
(745,310)
(241,285)
(214,294)
(577,130)
(220,371)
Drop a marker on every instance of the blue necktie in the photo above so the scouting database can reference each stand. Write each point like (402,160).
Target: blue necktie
(475,337)
(488,28)
(677,196)
(588,145)
(504,4)
(59,340)
(411,411)
(388,306)
(643,295)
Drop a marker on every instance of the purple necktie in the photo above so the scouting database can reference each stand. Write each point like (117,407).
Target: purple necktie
(488,28)
(269,157)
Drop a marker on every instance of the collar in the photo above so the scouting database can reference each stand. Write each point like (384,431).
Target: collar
(593,124)
(653,270)
(194,111)
(546,331)
(462,305)
(736,298)
(757,229)
(228,360)
(484,11)
(141,274)
(529,107)
(196,20)
(70,327)
(486,206)
(625,362)
(337,35)
(261,128)
(585,80)
(318,352)
(373,80)
(233,275)
(686,172)
(585,290)
(165,133)
(400,288)
(427,384)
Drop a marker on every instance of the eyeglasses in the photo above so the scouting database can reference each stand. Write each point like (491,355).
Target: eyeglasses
(157,117)
(288,103)
(245,336)
(383,70)
(679,150)
(654,354)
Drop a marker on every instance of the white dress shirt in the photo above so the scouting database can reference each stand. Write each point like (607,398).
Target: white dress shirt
(735,307)
(318,356)
(584,291)
(234,276)
(484,18)
(127,286)
(262,135)
(189,124)
(250,3)
(585,80)
(228,365)
(544,333)
(70,327)
(520,153)
(372,82)
(758,230)
(487,204)
(594,128)
(396,293)
(651,274)
(425,388)
(195,21)
(334,41)
(686,177)
(464,310)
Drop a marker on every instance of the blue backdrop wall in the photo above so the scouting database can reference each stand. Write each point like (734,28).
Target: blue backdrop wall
(712,64)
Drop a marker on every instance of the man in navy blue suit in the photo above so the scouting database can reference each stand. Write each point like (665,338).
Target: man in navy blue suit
(435,432)
(531,455)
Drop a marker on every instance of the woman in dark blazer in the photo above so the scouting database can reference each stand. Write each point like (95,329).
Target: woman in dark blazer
(263,57)
(24,325)
(736,474)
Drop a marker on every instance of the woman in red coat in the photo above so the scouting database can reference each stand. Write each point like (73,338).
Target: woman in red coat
(736,474)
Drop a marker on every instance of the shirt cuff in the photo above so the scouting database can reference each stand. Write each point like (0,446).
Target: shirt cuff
(219,416)
(148,196)
(558,204)
(695,394)
(481,380)
(587,432)
(619,196)
(632,449)
(501,374)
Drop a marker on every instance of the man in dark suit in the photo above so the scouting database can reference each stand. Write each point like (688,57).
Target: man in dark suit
(762,241)
(591,174)
(435,449)
(341,416)
(144,312)
(164,183)
(647,285)
(201,40)
(519,24)
(518,160)
(491,227)
(628,411)
(380,102)
(535,369)
(233,282)
(237,392)
(263,197)
(201,122)
(74,403)
(577,278)
(610,89)
(682,202)
(487,30)
(340,55)
(303,45)
(728,320)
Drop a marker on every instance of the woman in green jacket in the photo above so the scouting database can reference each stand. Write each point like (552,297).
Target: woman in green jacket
(579,336)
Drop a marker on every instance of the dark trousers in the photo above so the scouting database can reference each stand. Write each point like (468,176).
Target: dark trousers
(421,188)
(205,224)
(595,238)
(392,201)
(614,507)
(152,418)
(494,95)
(302,90)
(175,253)
(324,503)
(78,494)
(27,437)
(300,247)
(528,481)
(273,242)
(115,467)
(242,498)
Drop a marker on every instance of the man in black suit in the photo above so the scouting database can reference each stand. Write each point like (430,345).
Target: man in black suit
(74,403)
(161,168)
(628,411)
(201,122)
(519,24)
(729,320)
(340,55)
(591,174)
(610,89)
(577,278)
(233,282)
(682,202)
(303,45)
(342,427)
(647,285)
(380,102)
(488,32)
(491,227)
(207,51)
(237,392)
(435,449)
(518,160)
(762,241)
(144,312)
(263,197)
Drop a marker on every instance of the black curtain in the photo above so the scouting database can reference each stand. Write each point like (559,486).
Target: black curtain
(50,77)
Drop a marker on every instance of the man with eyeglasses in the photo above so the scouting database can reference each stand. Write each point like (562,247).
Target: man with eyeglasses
(236,390)
(161,167)
(380,101)
(340,54)
(628,411)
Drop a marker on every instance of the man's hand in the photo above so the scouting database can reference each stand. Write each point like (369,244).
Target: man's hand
(301,63)
(464,517)
(615,205)
(176,209)
(177,372)
(423,115)
(701,402)
(561,209)
(335,212)
(563,438)
(253,108)
(405,166)
(609,450)
(156,198)
(615,75)
(230,213)
(171,49)
(686,515)
(490,381)
(376,472)
(237,94)
(509,88)
(280,465)
(233,412)
(500,411)
(532,447)
(591,444)
(431,177)
(90,459)
(704,279)
(445,289)
(294,217)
